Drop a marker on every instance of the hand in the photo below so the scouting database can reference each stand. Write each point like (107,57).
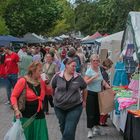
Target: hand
(96,76)
(18,114)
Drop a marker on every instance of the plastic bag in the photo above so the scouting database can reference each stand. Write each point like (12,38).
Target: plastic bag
(16,132)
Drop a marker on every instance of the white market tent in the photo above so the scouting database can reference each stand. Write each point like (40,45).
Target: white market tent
(112,45)
(109,38)
(64,36)
(85,38)
(33,38)
(132,36)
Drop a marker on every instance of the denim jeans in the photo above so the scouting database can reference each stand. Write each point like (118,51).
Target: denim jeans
(10,83)
(68,120)
(2,82)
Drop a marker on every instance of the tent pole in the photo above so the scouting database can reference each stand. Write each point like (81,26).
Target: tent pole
(138,104)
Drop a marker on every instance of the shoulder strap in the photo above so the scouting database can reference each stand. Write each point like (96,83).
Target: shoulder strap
(48,68)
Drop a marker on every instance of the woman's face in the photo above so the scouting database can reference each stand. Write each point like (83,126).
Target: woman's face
(95,62)
(71,67)
(38,72)
(49,58)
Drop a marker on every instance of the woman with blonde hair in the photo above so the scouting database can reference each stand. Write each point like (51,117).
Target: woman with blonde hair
(35,92)
(94,80)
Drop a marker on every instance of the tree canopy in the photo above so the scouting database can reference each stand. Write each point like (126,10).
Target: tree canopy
(37,16)
(54,17)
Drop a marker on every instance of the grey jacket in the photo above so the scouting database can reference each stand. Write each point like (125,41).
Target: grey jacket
(67,98)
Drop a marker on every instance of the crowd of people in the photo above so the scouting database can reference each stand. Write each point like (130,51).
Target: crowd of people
(59,76)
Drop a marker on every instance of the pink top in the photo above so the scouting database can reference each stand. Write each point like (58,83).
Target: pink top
(30,95)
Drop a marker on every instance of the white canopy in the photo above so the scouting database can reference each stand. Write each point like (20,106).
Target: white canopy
(64,36)
(109,38)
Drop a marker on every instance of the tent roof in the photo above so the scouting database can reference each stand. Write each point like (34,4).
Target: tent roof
(85,38)
(115,36)
(95,36)
(10,38)
(33,38)
(64,36)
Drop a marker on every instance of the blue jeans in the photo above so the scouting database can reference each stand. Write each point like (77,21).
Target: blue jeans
(68,120)
(3,82)
(10,83)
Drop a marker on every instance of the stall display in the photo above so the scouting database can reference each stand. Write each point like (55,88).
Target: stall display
(132,126)
(120,76)
(123,101)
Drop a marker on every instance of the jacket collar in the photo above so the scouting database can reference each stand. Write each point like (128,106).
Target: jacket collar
(61,74)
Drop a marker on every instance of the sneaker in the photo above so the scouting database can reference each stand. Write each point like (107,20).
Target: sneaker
(96,130)
(90,134)
(94,133)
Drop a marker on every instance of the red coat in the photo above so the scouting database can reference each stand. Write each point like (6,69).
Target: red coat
(30,95)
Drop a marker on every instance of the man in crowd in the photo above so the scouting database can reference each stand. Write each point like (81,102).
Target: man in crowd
(11,67)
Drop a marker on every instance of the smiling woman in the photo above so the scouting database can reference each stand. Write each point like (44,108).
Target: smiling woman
(94,79)
(68,89)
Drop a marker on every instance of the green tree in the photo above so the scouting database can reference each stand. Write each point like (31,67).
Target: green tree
(67,21)
(36,16)
(105,16)
(3,28)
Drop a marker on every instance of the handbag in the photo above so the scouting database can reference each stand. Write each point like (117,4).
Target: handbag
(22,99)
(106,101)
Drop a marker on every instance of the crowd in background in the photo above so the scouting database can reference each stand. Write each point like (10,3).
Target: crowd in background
(64,61)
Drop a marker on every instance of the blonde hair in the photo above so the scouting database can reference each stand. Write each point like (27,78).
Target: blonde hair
(33,67)
(94,56)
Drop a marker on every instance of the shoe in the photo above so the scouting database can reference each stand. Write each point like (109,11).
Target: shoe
(90,134)
(96,130)
(94,133)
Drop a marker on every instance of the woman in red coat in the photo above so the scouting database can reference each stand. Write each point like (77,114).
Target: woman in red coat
(35,92)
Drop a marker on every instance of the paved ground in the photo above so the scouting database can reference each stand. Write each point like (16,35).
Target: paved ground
(6,115)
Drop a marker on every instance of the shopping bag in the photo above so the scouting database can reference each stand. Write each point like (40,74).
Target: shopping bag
(16,132)
(106,101)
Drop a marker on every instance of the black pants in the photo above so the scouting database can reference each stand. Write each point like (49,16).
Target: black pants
(48,98)
(92,109)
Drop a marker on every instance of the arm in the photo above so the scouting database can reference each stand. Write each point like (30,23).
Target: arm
(15,94)
(17,91)
(48,89)
(88,79)
(106,85)
(84,96)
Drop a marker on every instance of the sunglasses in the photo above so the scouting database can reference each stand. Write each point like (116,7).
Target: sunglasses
(96,60)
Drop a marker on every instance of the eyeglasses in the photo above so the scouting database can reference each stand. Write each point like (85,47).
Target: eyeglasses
(96,60)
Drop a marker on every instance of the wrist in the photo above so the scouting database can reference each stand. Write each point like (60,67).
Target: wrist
(16,110)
